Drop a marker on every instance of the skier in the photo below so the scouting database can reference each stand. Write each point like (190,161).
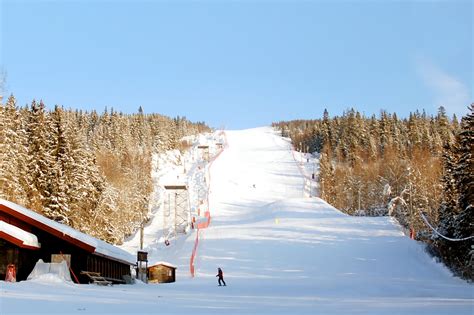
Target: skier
(220,274)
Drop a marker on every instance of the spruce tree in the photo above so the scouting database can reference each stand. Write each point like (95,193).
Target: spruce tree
(55,204)
(39,158)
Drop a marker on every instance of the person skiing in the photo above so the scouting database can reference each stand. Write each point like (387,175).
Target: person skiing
(220,274)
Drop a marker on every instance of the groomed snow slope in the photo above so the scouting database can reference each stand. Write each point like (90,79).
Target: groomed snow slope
(281,253)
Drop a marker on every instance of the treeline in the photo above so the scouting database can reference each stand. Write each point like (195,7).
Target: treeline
(406,167)
(88,170)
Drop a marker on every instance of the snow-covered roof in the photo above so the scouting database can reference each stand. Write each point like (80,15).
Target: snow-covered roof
(172,179)
(27,239)
(164,263)
(99,247)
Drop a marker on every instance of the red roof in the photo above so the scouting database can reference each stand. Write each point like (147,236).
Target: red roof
(18,236)
(70,235)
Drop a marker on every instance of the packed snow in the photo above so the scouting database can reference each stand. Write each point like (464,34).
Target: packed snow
(282,250)
(25,237)
(50,272)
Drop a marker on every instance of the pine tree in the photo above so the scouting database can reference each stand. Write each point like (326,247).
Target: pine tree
(457,208)
(465,167)
(443,127)
(384,132)
(414,134)
(13,153)
(85,182)
(55,204)
(464,173)
(449,205)
(39,159)
(326,177)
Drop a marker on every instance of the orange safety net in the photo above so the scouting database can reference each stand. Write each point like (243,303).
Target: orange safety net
(207,214)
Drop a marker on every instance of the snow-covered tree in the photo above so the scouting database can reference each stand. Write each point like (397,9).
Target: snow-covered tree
(55,203)
(39,158)
(90,171)
(457,209)
(13,154)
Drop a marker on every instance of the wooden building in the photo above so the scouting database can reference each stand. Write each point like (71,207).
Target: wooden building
(26,236)
(162,272)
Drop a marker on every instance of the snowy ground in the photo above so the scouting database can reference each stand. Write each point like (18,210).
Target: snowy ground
(282,252)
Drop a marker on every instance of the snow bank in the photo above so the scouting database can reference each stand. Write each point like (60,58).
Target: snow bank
(50,272)
(27,238)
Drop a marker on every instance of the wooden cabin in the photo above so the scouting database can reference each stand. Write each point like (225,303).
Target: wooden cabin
(205,151)
(26,237)
(162,272)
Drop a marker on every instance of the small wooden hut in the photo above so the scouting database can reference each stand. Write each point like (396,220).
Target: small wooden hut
(162,272)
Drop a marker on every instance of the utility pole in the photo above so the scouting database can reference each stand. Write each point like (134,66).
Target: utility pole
(411,206)
(359,198)
(175,213)
(141,235)
(301,153)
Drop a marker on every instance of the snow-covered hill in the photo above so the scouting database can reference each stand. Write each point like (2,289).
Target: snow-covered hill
(282,252)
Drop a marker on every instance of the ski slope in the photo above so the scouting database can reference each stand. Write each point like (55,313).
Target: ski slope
(281,251)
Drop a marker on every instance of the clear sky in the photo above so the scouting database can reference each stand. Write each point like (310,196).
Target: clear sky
(240,64)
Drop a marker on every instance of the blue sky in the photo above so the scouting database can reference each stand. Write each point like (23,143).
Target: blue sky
(240,64)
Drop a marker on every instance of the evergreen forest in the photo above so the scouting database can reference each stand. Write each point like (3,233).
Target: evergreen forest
(88,170)
(418,169)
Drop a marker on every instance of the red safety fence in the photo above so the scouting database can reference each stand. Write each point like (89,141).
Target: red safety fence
(205,224)
(193,255)
(207,214)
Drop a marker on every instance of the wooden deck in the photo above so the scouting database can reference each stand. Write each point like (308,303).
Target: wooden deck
(96,278)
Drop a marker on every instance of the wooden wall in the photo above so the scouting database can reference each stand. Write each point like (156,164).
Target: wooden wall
(81,260)
(161,274)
